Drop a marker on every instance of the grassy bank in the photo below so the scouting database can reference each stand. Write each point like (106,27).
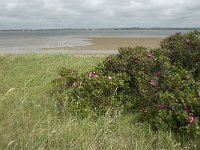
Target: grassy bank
(29,118)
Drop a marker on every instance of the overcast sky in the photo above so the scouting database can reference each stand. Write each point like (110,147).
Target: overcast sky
(34,14)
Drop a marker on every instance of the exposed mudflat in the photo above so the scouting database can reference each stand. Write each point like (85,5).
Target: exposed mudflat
(73,45)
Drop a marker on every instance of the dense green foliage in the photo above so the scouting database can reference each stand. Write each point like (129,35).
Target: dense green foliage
(161,85)
(184,50)
(29,116)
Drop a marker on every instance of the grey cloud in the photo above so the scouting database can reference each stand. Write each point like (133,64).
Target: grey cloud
(98,13)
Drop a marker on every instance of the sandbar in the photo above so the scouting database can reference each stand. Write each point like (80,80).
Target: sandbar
(113,43)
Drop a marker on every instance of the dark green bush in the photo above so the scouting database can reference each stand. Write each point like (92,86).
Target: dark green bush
(92,93)
(161,85)
(184,50)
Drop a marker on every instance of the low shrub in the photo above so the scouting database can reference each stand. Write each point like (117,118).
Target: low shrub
(92,93)
(184,50)
(161,85)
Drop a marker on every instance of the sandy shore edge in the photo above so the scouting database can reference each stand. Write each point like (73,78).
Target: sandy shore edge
(113,43)
(99,45)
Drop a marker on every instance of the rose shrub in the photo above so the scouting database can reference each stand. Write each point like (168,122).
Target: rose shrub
(184,50)
(92,93)
(161,85)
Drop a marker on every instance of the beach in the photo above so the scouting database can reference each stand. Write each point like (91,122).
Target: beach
(110,43)
(113,43)
(73,45)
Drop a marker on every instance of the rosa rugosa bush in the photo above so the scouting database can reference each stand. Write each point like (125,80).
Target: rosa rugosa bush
(92,93)
(161,85)
(162,90)
(184,50)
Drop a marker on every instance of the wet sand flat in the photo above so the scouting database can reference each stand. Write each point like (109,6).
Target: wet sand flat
(113,43)
(76,45)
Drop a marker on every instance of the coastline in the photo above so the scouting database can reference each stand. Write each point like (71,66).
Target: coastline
(116,42)
(97,45)
(113,43)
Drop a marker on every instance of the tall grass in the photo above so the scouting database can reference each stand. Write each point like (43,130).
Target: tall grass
(29,118)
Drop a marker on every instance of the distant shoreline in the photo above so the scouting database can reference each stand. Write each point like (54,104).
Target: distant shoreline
(133,28)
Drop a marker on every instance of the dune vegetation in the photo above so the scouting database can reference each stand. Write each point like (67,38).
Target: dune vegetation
(32,118)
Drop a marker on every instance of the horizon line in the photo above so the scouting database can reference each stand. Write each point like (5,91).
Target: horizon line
(104,28)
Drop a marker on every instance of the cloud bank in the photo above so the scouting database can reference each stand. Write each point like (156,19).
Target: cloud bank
(29,14)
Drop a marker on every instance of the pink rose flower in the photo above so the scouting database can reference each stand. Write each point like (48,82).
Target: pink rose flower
(150,54)
(158,73)
(191,119)
(109,78)
(153,82)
